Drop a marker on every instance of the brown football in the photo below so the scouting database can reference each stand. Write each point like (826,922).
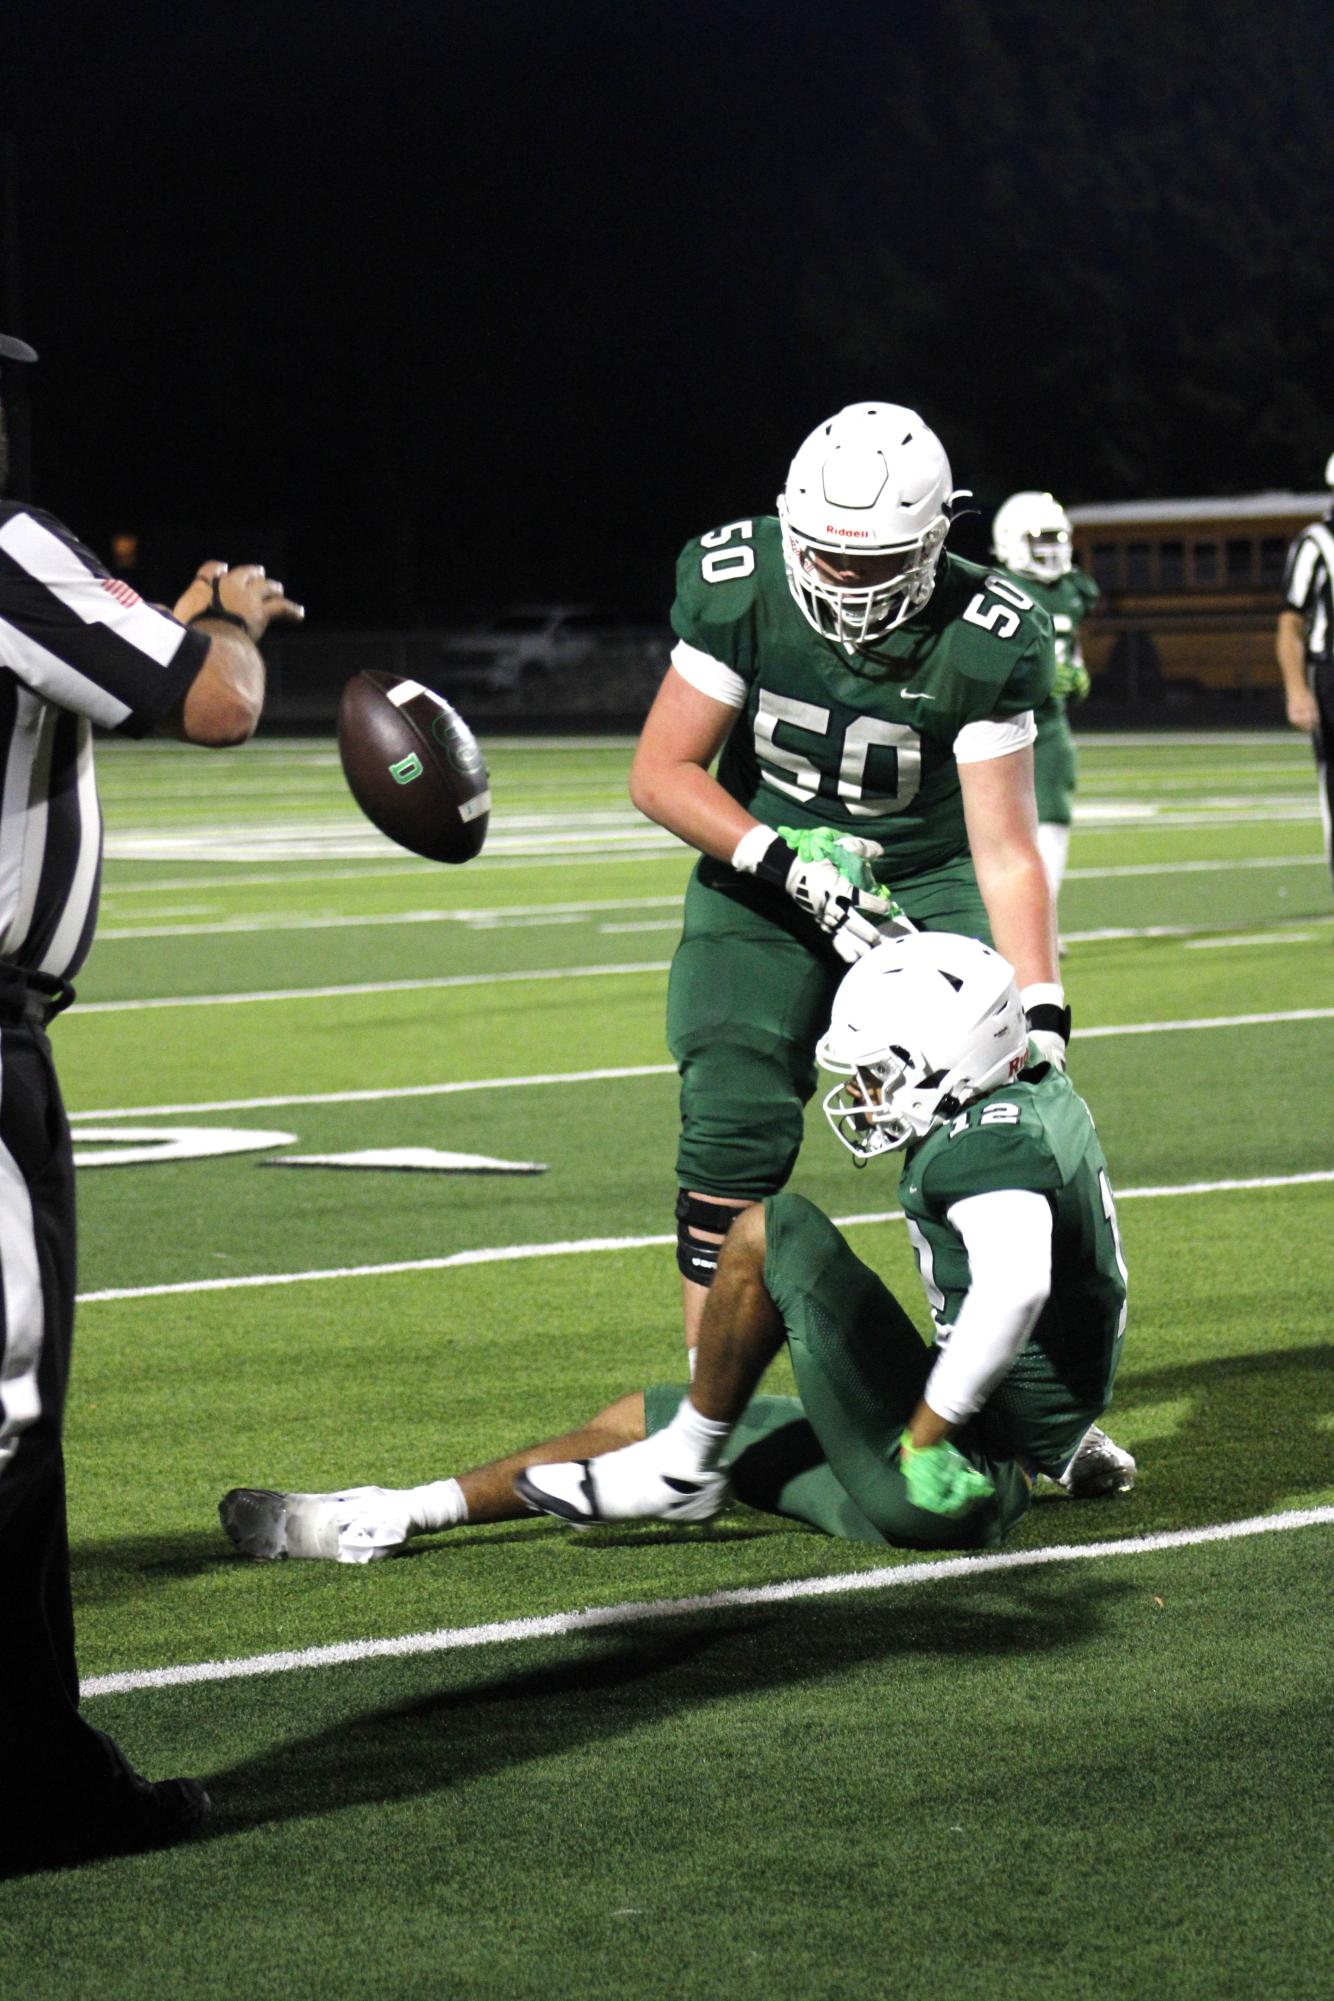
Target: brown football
(413,766)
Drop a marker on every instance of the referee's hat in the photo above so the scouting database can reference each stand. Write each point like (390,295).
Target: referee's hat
(13,349)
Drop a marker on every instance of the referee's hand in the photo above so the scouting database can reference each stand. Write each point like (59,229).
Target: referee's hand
(1302,711)
(245,593)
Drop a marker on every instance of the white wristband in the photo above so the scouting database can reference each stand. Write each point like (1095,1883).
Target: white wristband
(1042,993)
(751,849)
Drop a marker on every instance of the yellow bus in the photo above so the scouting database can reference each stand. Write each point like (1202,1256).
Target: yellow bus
(1191,591)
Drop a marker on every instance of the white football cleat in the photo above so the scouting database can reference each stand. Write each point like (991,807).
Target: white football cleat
(625,1486)
(1100,1466)
(358,1525)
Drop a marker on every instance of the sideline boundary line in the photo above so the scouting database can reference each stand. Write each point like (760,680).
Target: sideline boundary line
(1092,1034)
(503,916)
(632,1612)
(393,871)
(373,987)
(583,1246)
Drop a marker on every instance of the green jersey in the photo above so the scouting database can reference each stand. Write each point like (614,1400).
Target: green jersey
(1067,601)
(1036,1134)
(859,740)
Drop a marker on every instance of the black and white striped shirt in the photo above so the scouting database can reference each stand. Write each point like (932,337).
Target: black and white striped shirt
(1308,586)
(77,647)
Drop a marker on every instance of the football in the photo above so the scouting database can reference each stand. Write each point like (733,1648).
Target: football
(413,766)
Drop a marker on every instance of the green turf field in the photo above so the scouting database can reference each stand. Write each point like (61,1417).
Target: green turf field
(1104,1775)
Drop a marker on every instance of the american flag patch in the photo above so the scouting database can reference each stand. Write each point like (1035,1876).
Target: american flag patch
(122,593)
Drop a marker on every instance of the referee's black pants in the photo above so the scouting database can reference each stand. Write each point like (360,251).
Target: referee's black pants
(62,1782)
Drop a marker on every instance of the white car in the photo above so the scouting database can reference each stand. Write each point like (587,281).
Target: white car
(529,650)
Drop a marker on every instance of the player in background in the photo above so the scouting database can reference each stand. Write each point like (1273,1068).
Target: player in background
(870,700)
(889,1440)
(1305,646)
(1031,537)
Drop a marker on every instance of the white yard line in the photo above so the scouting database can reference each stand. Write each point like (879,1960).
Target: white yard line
(1282,932)
(483,914)
(306,868)
(587,1246)
(639,1612)
(374,867)
(344,838)
(1171,740)
(315,875)
(523,1083)
(438,982)
(1193,822)
(1257,938)
(371,1097)
(370,987)
(502,915)
(575,828)
(1313,860)
(644,924)
(516,918)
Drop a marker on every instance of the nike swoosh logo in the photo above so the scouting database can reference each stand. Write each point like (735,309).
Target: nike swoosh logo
(916,695)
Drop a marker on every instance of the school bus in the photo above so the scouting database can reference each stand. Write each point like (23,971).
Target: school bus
(1191,591)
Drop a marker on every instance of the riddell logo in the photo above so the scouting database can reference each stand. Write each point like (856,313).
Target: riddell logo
(848,534)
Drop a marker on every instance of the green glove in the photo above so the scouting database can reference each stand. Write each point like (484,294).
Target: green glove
(850,855)
(940,1479)
(824,844)
(1072,681)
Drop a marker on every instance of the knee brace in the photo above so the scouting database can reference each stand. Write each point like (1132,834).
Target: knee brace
(696,1259)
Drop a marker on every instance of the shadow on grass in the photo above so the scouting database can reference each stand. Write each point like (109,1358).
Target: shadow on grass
(123,1567)
(1251,1433)
(626,1683)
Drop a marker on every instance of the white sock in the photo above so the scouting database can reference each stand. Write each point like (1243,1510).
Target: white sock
(699,1439)
(1054,847)
(438,1505)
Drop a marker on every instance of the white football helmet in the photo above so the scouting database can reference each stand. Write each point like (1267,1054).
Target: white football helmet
(1031,535)
(870,489)
(921,1026)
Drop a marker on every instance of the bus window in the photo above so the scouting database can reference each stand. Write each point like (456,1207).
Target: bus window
(1171,565)
(1106,569)
(1206,562)
(1273,554)
(1240,563)
(1137,566)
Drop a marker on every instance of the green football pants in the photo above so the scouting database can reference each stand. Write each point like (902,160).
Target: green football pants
(1055,768)
(748,998)
(829,1456)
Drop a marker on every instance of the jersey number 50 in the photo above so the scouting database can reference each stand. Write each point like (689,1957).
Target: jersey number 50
(722,564)
(998,618)
(898,750)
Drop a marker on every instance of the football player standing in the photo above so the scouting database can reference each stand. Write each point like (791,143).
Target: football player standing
(1031,537)
(873,699)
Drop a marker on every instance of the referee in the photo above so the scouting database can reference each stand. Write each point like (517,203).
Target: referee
(1306,649)
(77,647)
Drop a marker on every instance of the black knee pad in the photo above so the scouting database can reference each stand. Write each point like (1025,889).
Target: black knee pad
(695,1259)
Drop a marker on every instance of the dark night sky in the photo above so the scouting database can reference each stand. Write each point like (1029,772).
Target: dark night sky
(472,302)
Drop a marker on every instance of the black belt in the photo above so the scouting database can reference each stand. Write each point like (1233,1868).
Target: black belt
(35,997)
